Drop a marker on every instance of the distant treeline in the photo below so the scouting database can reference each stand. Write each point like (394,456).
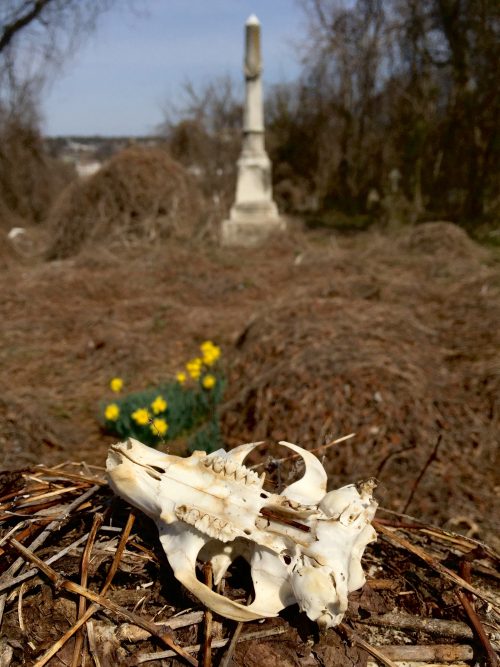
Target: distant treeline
(403,86)
(397,107)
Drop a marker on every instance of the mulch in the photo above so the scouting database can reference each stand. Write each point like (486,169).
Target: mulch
(84,580)
(394,339)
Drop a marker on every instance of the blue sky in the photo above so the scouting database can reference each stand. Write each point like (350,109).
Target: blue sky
(135,63)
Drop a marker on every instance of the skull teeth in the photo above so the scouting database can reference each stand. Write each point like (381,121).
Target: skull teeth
(211,525)
(231,470)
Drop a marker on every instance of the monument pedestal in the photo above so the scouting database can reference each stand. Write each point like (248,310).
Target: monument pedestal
(254,215)
(250,224)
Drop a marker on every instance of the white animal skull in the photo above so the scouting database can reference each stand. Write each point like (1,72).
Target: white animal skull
(304,545)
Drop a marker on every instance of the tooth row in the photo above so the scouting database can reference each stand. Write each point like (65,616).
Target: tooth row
(206,523)
(231,470)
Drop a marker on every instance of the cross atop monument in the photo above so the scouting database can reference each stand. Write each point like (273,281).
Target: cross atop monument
(254,214)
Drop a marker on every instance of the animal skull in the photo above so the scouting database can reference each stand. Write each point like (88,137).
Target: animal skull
(304,545)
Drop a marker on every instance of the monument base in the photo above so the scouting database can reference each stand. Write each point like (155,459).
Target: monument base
(251,224)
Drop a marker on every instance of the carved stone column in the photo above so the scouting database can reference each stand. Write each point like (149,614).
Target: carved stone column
(254,214)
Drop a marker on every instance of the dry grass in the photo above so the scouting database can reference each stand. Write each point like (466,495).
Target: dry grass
(141,193)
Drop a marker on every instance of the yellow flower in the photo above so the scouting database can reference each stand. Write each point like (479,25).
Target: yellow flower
(159,426)
(193,367)
(159,405)
(208,381)
(210,352)
(181,377)
(116,384)
(112,412)
(141,416)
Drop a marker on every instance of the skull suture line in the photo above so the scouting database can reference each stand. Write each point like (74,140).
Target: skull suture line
(304,545)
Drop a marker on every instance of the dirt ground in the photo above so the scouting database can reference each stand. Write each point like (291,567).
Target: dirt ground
(395,339)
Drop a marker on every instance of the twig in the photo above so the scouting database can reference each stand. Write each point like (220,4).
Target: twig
(430,626)
(71,587)
(84,616)
(34,500)
(132,633)
(226,659)
(291,457)
(395,539)
(468,605)
(119,552)
(431,653)
(38,541)
(92,644)
(446,534)
(354,638)
(20,609)
(98,519)
(207,634)
(31,573)
(478,627)
(417,481)
(62,474)
(217,643)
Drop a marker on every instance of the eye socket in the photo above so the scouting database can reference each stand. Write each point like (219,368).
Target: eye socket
(264,495)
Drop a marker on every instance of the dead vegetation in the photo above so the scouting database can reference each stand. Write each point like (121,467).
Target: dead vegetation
(29,178)
(101,589)
(399,344)
(395,339)
(141,193)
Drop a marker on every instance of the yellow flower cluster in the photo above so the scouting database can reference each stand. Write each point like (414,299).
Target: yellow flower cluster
(141,416)
(116,385)
(159,405)
(208,381)
(194,367)
(159,426)
(112,412)
(210,352)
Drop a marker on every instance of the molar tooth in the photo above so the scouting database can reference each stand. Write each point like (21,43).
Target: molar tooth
(252,477)
(231,467)
(218,464)
(241,473)
(217,524)
(203,523)
(226,533)
(193,515)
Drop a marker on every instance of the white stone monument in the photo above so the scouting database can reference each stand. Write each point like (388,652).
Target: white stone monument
(254,215)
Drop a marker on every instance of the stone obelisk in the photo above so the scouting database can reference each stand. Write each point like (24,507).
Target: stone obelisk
(254,214)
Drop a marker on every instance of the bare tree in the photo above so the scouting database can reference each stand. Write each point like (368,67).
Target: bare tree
(203,132)
(38,35)
(410,84)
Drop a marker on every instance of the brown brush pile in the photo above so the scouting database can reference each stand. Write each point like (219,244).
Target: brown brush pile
(383,350)
(141,193)
(101,590)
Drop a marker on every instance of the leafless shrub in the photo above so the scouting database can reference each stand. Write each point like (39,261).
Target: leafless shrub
(139,193)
